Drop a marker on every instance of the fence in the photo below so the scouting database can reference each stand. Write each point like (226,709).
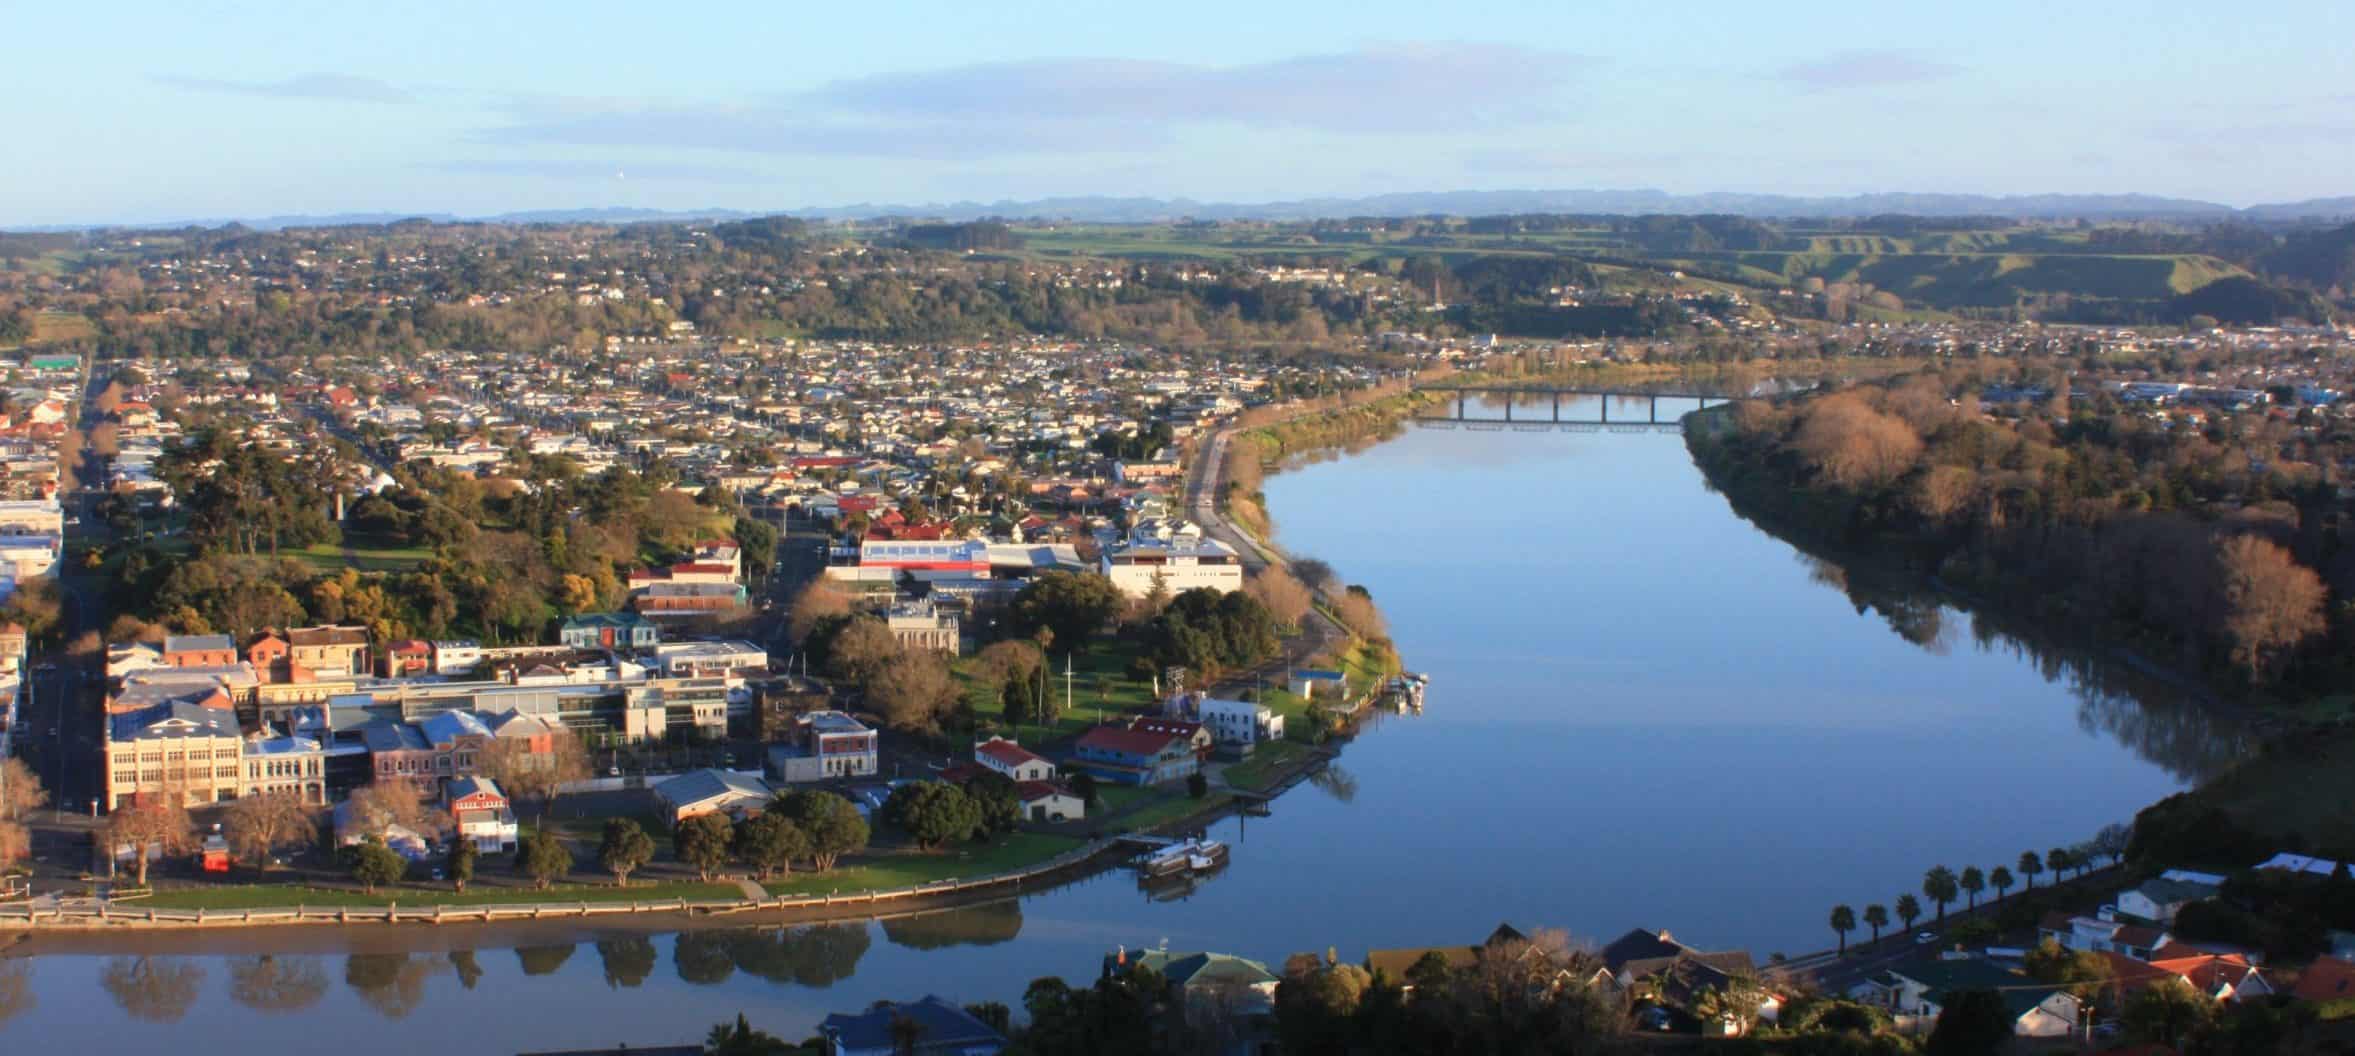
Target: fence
(102,915)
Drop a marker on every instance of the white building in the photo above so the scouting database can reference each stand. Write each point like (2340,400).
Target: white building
(1176,559)
(711,659)
(1240,722)
(1013,760)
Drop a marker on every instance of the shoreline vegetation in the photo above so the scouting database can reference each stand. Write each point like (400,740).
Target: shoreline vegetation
(2117,584)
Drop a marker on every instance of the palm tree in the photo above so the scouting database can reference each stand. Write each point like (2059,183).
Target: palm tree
(1909,909)
(1876,917)
(1972,882)
(2001,880)
(1843,922)
(1939,886)
(2030,865)
(2060,861)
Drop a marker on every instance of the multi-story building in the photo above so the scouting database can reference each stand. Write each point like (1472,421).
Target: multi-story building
(1173,561)
(1239,722)
(178,752)
(610,630)
(711,659)
(332,649)
(479,812)
(825,745)
(200,650)
(922,626)
(289,763)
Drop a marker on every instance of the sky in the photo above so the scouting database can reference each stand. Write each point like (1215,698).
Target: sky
(128,112)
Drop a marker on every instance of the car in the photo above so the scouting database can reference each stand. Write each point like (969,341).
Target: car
(1925,938)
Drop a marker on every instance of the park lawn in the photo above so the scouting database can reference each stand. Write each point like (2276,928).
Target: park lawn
(1267,761)
(1119,696)
(329,557)
(61,326)
(1112,799)
(1171,810)
(890,872)
(275,896)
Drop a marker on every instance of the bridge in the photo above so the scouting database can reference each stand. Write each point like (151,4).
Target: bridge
(1541,408)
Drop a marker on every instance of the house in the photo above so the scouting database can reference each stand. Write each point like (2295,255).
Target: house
(200,650)
(13,641)
(352,828)
(1135,757)
(409,656)
(824,745)
(1677,977)
(479,812)
(268,654)
(1197,735)
(2327,979)
(2099,934)
(1209,987)
(618,631)
(336,648)
(711,659)
(940,1029)
(1396,964)
(1048,801)
(456,656)
(713,791)
(1916,992)
(1013,760)
(2223,976)
(2156,901)
(1240,722)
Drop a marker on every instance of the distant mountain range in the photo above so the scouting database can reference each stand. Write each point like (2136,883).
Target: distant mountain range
(1419,203)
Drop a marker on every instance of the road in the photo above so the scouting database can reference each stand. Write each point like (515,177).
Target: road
(1320,634)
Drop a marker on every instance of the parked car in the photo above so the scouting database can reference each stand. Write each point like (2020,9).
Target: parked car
(1925,938)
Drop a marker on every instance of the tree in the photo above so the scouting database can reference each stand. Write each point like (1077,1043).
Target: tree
(458,864)
(1073,605)
(2272,604)
(387,802)
(1972,1023)
(932,812)
(1940,887)
(2111,842)
(861,649)
(2000,879)
(739,1039)
(914,690)
(2060,861)
(1851,444)
(2082,971)
(2030,865)
(1197,785)
(1843,921)
(2165,1013)
(1876,917)
(150,823)
(624,848)
(16,844)
(1285,596)
(1972,882)
(512,763)
(544,857)
(820,601)
(833,826)
(258,827)
(1083,785)
(1909,909)
(704,841)
(997,802)
(769,842)
(20,789)
(373,864)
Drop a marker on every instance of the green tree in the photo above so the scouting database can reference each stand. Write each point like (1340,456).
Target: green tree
(833,826)
(2000,879)
(739,1039)
(1909,909)
(769,843)
(1971,1023)
(624,848)
(458,864)
(932,812)
(2165,1013)
(374,865)
(1843,921)
(544,857)
(1876,917)
(2082,971)
(1072,605)
(1083,785)
(1972,882)
(1197,785)
(2030,865)
(997,801)
(1940,887)
(705,841)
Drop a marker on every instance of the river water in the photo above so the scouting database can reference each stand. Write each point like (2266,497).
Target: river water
(1645,712)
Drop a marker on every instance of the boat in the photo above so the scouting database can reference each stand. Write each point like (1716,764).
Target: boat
(1185,856)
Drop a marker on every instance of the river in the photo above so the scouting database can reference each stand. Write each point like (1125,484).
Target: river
(1645,712)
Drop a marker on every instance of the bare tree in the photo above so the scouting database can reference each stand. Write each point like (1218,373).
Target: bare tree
(525,773)
(819,600)
(386,802)
(1852,444)
(16,843)
(157,822)
(913,691)
(2272,604)
(1284,595)
(260,826)
(20,789)
(863,649)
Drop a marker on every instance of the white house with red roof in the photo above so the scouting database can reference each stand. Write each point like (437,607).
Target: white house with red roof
(1013,760)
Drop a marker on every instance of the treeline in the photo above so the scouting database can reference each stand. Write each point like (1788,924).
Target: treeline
(2216,549)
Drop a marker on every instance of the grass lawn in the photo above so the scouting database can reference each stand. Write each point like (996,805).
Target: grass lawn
(1258,772)
(1171,810)
(1116,696)
(907,870)
(2300,786)
(328,557)
(273,896)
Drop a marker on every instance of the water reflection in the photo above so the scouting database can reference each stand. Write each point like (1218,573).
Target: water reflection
(2164,719)
(1335,782)
(628,961)
(812,955)
(391,983)
(469,972)
(274,984)
(983,925)
(16,988)
(543,960)
(153,989)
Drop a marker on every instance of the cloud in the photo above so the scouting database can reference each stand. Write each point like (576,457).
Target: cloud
(338,86)
(1084,105)
(1865,69)
(608,171)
